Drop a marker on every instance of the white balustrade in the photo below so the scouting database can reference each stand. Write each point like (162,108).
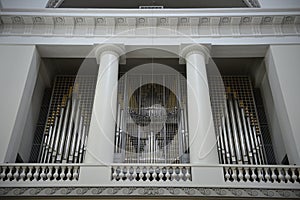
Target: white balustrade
(262,173)
(151,173)
(38,172)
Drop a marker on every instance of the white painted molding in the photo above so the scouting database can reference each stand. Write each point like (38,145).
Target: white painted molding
(77,191)
(171,24)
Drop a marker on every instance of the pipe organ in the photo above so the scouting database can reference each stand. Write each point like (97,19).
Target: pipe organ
(65,135)
(239,137)
(151,122)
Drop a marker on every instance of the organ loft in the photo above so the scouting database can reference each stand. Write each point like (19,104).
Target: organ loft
(155,99)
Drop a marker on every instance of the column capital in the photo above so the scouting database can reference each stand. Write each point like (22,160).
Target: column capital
(116,49)
(188,49)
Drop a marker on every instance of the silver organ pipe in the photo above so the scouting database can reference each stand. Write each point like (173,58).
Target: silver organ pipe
(230,135)
(64,140)
(246,145)
(237,144)
(247,138)
(153,127)
(241,133)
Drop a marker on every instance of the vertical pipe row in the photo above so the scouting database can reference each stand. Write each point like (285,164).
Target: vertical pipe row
(238,141)
(65,141)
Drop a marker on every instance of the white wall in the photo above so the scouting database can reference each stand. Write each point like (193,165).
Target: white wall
(30,4)
(282,67)
(279,3)
(18,71)
(273,123)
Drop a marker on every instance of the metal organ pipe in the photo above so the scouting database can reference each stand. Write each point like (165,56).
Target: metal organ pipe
(247,146)
(248,143)
(66,138)
(230,136)
(241,132)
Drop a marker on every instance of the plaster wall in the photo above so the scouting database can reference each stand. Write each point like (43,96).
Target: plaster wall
(19,67)
(23,4)
(282,68)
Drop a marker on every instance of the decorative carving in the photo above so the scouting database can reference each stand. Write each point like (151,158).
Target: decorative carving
(220,192)
(205,191)
(82,190)
(128,190)
(112,190)
(19,191)
(66,190)
(4,191)
(35,191)
(97,190)
(174,191)
(50,191)
(150,191)
(192,25)
(189,191)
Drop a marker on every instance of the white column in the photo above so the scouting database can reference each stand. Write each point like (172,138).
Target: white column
(100,144)
(202,137)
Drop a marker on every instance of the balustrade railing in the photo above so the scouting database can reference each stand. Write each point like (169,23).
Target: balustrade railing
(39,172)
(35,172)
(262,173)
(151,173)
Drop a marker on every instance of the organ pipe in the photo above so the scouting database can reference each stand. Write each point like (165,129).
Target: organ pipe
(65,140)
(246,145)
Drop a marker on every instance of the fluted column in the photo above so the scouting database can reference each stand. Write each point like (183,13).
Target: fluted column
(100,144)
(202,139)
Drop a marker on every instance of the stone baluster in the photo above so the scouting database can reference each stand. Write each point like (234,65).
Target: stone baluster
(294,176)
(227,175)
(161,174)
(114,174)
(23,173)
(287,175)
(29,174)
(2,174)
(253,173)
(280,174)
(49,173)
(10,174)
(274,176)
(69,174)
(55,174)
(240,173)
(234,174)
(147,174)
(180,175)
(43,174)
(36,174)
(188,174)
(16,174)
(62,174)
(247,175)
(168,175)
(260,174)
(267,175)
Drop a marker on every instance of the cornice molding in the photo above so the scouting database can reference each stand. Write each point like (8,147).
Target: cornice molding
(149,191)
(200,26)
